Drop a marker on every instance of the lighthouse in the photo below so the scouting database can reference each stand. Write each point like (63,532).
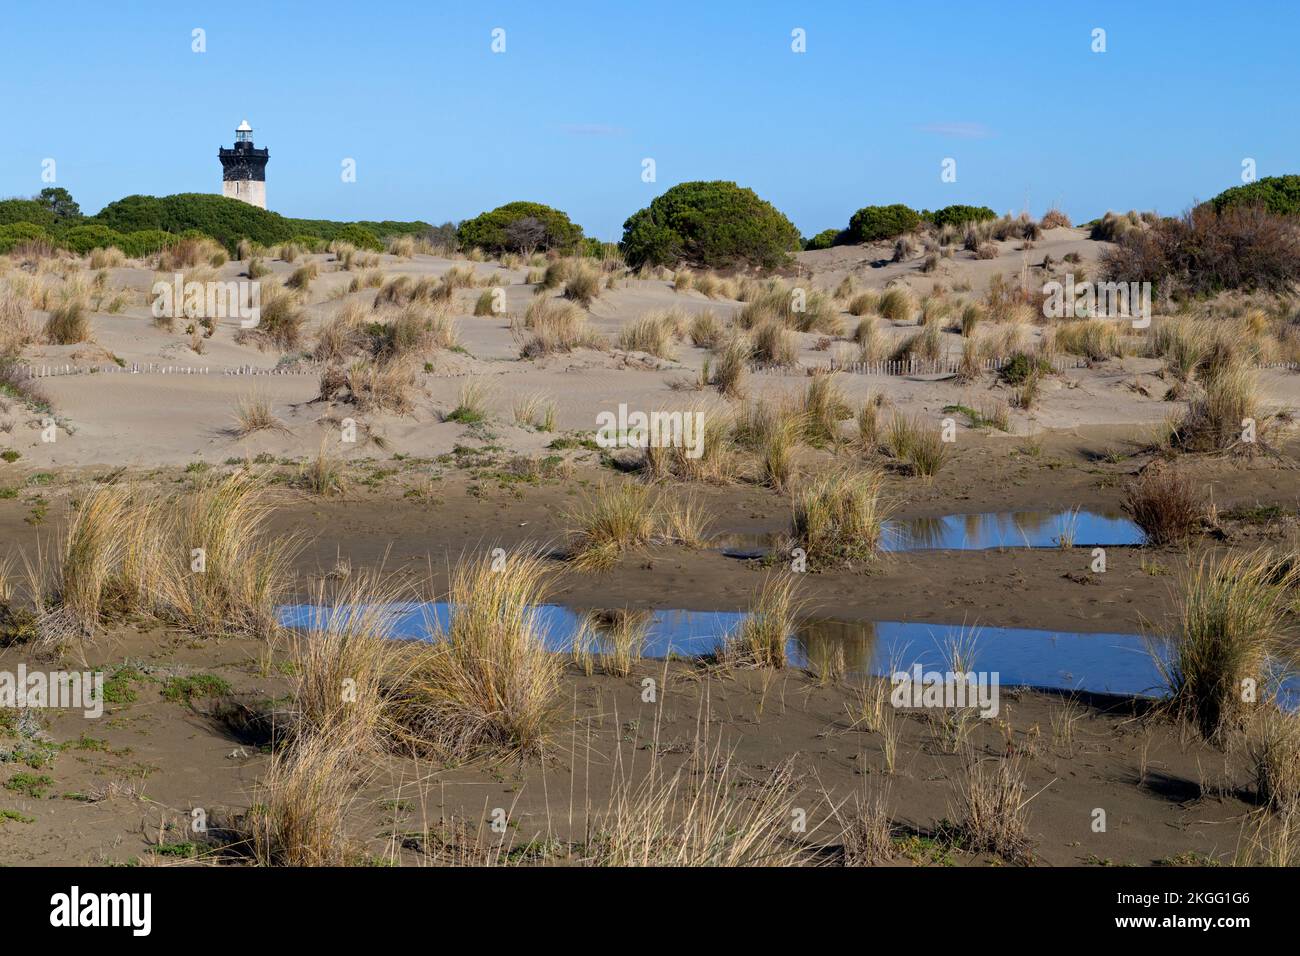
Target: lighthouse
(243,169)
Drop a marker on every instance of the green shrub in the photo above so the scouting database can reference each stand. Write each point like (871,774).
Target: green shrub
(491,231)
(359,236)
(959,215)
(81,239)
(229,220)
(1280,195)
(146,242)
(17,233)
(711,225)
(1020,368)
(872,223)
(824,239)
(25,210)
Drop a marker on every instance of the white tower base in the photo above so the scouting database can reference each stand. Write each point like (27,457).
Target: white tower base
(251,191)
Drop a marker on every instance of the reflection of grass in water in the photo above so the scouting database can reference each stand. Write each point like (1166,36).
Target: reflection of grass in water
(818,640)
(919,533)
(1067,524)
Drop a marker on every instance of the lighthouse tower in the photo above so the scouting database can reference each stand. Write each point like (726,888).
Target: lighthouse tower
(243,169)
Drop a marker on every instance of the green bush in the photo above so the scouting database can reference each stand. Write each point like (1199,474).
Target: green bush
(1280,195)
(825,239)
(490,230)
(81,239)
(225,220)
(229,220)
(959,215)
(145,242)
(872,223)
(359,236)
(16,233)
(711,225)
(25,210)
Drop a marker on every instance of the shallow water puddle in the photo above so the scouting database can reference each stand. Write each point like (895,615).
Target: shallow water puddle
(1097,663)
(975,532)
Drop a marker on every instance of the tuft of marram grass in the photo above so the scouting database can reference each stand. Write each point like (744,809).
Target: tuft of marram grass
(864,303)
(488,683)
(1214,419)
(1230,622)
(302,805)
(897,305)
(69,320)
(652,333)
(301,277)
(731,365)
(201,560)
(253,413)
(341,660)
(705,330)
(582,284)
(761,637)
(1274,752)
(991,808)
(110,258)
(686,523)
(611,520)
(556,326)
(324,474)
(471,403)
(245,570)
(774,343)
(916,444)
(823,408)
(839,516)
(698,816)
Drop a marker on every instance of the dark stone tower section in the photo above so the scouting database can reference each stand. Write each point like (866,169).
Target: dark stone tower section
(243,169)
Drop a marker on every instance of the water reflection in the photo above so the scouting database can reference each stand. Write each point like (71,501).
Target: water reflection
(973,532)
(1101,663)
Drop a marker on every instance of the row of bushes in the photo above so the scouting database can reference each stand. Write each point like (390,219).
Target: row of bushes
(1238,239)
(876,223)
(229,220)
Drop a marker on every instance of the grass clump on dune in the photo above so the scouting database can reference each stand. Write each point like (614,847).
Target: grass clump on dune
(761,637)
(775,344)
(1230,623)
(245,570)
(1217,418)
(301,807)
(710,435)
(731,365)
(1274,752)
(652,334)
(839,517)
(323,475)
(705,331)
(582,284)
(991,808)
(698,816)
(822,409)
(69,321)
(341,659)
(612,520)
(487,682)
(201,560)
(253,414)
(915,444)
(555,326)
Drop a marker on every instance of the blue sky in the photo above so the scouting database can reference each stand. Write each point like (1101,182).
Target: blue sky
(442,128)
